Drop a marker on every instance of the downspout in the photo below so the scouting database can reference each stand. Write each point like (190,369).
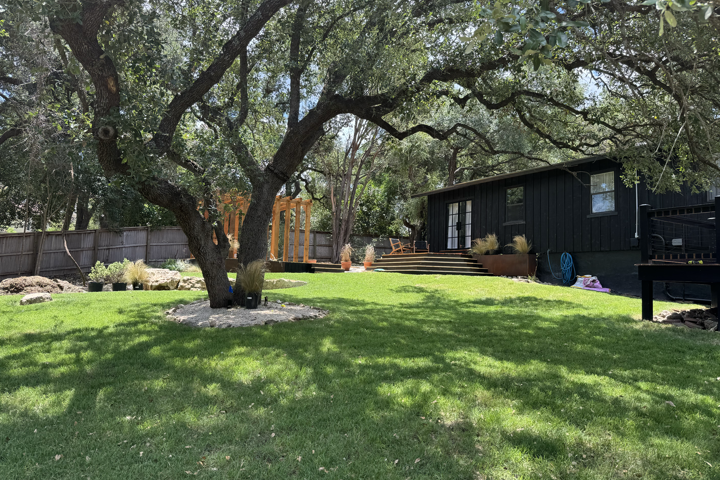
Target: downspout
(637,211)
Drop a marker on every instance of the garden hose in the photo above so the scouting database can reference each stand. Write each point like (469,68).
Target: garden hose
(566,266)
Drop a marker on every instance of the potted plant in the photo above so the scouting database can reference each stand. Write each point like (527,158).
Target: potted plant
(137,274)
(369,256)
(345,260)
(520,263)
(97,277)
(251,279)
(116,275)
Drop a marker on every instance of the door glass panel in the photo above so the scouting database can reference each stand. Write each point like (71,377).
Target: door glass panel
(459,228)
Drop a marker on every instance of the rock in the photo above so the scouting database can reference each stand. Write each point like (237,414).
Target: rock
(35,298)
(674,316)
(694,325)
(277,283)
(161,279)
(68,287)
(195,284)
(711,325)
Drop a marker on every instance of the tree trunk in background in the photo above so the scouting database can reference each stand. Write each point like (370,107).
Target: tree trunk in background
(83,214)
(452,166)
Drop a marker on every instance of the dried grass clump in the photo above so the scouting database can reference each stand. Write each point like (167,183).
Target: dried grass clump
(137,272)
(520,245)
(345,253)
(478,247)
(491,241)
(370,253)
(481,246)
(252,276)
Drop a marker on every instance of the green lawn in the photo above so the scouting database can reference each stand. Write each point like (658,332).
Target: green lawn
(413,377)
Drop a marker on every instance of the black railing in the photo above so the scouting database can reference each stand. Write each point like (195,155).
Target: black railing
(680,234)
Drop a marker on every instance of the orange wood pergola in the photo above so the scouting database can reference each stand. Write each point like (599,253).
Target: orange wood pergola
(235,215)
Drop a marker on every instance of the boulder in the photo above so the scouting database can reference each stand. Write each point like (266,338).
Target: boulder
(35,298)
(195,284)
(277,283)
(162,279)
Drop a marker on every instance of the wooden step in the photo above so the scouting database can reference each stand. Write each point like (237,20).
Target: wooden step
(327,268)
(433,257)
(436,272)
(444,268)
(425,261)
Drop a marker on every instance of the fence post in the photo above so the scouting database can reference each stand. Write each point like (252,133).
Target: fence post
(147,244)
(96,234)
(644,233)
(36,248)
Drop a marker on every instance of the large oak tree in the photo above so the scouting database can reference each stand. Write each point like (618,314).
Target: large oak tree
(265,76)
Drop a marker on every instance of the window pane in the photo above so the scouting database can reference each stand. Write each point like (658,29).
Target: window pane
(514,195)
(603,202)
(468,206)
(515,213)
(602,182)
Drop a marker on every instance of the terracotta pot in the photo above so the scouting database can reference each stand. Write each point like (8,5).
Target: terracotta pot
(367,264)
(312,261)
(346,265)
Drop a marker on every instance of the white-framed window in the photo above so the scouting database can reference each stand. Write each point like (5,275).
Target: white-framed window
(602,190)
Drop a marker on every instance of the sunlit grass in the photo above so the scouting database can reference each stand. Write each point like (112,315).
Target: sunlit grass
(408,377)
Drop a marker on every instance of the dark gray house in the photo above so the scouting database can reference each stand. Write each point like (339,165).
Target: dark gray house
(581,207)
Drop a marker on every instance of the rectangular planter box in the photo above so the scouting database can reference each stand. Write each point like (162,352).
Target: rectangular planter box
(509,265)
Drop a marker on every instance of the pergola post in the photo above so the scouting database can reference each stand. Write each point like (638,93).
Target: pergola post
(274,236)
(306,247)
(286,237)
(296,240)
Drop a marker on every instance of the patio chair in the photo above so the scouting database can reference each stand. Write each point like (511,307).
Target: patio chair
(398,247)
(421,247)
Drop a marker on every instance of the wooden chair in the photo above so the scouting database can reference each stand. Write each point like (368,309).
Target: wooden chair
(421,247)
(397,246)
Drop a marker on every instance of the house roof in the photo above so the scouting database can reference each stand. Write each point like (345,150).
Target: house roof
(556,166)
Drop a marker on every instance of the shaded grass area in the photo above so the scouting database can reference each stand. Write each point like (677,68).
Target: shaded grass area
(408,377)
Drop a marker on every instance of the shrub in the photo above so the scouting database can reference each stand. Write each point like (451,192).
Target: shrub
(345,253)
(491,242)
(115,272)
(479,247)
(520,245)
(252,276)
(137,272)
(178,265)
(98,272)
(370,253)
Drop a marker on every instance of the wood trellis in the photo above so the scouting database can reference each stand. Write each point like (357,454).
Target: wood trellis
(235,215)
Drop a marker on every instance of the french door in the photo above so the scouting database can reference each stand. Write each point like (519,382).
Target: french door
(459,225)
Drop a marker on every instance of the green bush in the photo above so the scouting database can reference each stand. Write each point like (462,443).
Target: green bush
(115,272)
(98,272)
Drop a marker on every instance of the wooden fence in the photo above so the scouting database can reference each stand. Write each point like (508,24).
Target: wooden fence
(321,246)
(18,251)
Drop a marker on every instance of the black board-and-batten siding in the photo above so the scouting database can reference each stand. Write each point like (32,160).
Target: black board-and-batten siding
(557,210)
(558,217)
